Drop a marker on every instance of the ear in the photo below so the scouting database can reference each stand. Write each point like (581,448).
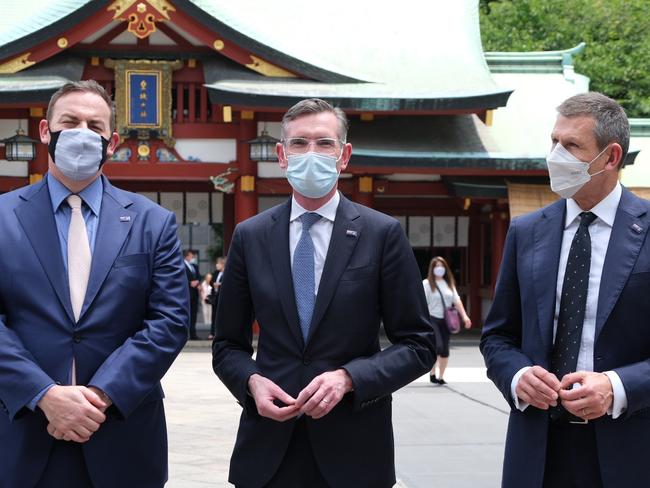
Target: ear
(44,131)
(282,157)
(345,156)
(615,160)
(113,142)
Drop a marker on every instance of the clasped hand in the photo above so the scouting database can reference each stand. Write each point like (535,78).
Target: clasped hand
(316,400)
(74,413)
(585,394)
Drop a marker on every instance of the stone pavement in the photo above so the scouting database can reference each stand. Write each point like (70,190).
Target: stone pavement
(449,436)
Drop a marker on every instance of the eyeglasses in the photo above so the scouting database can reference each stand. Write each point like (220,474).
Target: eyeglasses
(301,145)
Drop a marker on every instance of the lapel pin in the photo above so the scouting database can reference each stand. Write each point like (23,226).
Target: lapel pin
(351,233)
(637,228)
(125,218)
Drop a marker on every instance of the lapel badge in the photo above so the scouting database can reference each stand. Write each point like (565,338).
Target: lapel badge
(351,233)
(125,218)
(637,228)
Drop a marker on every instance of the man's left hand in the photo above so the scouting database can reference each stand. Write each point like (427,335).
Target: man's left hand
(324,392)
(592,399)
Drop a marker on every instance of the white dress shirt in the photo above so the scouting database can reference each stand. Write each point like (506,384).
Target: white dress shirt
(320,232)
(600,231)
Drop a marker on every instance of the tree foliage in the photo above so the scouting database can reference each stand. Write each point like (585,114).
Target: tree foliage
(617,33)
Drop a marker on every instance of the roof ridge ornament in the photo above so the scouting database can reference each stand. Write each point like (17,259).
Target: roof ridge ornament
(141,15)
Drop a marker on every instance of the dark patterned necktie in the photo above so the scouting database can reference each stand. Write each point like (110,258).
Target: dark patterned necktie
(573,303)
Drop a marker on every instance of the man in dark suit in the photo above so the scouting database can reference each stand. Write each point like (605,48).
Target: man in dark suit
(193,282)
(215,284)
(83,351)
(566,339)
(319,274)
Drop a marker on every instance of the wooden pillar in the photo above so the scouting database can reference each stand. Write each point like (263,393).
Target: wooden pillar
(39,165)
(246,188)
(499,230)
(475,246)
(363,190)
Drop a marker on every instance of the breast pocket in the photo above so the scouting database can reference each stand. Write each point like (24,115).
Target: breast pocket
(358,273)
(141,259)
(131,272)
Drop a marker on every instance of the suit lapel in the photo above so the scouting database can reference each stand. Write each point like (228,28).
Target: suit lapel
(628,234)
(37,220)
(115,222)
(342,244)
(546,258)
(278,245)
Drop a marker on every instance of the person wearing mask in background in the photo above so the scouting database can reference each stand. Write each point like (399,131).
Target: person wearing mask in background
(566,340)
(81,360)
(440,292)
(205,298)
(215,285)
(193,282)
(320,274)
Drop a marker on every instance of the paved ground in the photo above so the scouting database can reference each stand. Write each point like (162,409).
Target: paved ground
(449,436)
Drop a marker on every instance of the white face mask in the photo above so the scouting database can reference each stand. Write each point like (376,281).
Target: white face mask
(568,174)
(78,153)
(439,271)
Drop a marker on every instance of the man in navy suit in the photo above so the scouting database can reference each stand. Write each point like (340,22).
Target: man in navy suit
(566,340)
(193,281)
(82,352)
(319,274)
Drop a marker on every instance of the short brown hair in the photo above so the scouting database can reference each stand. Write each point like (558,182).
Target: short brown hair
(316,106)
(89,86)
(611,122)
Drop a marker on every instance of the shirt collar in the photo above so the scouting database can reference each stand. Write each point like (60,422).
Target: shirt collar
(327,211)
(605,210)
(91,195)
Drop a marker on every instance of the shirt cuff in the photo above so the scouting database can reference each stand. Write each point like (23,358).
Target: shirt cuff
(34,403)
(619,403)
(520,405)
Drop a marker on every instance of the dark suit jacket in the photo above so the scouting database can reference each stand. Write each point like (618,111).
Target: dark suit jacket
(132,325)
(370,275)
(519,332)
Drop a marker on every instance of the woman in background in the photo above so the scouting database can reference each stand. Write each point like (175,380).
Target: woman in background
(440,280)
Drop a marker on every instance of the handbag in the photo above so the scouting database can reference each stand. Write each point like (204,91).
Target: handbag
(452,317)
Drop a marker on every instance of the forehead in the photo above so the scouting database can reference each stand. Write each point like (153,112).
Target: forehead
(82,105)
(322,124)
(579,128)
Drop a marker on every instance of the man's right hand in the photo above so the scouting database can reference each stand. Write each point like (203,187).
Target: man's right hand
(538,388)
(74,412)
(265,392)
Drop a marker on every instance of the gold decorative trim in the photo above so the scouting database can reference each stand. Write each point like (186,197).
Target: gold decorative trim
(164,70)
(16,64)
(94,61)
(35,178)
(365,184)
(367,117)
(143,151)
(121,6)
(191,63)
(36,112)
(247,183)
(247,115)
(218,44)
(62,42)
(227,113)
(268,69)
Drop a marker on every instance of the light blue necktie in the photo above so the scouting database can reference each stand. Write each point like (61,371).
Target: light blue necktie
(304,285)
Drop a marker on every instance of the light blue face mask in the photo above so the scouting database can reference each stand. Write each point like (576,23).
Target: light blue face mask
(78,153)
(313,175)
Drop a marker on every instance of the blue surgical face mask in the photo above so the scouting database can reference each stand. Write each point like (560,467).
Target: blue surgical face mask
(313,175)
(78,153)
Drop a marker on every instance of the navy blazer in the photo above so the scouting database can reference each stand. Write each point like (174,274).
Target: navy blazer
(133,323)
(519,332)
(370,275)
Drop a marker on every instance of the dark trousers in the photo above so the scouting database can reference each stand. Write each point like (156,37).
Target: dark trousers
(213,323)
(66,467)
(572,457)
(194,308)
(299,467)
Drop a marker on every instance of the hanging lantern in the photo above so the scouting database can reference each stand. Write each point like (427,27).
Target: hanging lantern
(20,147)
(262,148)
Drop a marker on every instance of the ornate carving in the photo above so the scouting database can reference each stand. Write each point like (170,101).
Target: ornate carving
(218,44)
(141,15)
(268,69)
(145,82)
(16,64)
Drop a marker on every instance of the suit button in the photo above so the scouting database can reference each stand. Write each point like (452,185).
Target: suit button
(76,338)
(306,360)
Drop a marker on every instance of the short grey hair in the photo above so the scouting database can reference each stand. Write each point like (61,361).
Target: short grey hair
(611,122)
(315,106)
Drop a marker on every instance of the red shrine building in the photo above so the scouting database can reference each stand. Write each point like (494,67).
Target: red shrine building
(195,81)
